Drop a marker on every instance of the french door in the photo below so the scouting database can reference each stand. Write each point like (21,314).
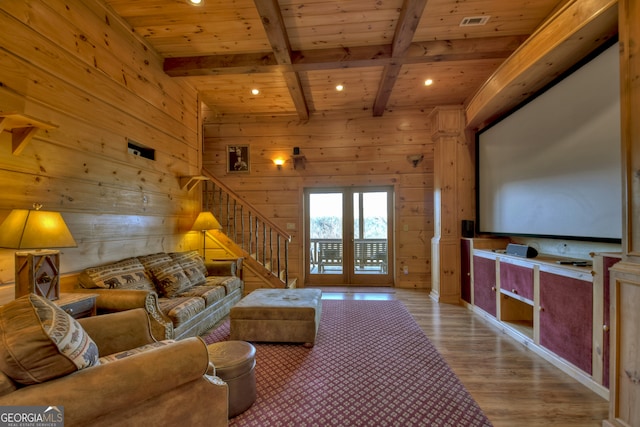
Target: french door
(349,236)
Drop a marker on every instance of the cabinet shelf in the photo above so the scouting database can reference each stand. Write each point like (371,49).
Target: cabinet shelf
(516,296)
(22,129)
(517,313)
(523,326)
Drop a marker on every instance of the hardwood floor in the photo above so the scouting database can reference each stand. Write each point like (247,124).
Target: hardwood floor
(513,386)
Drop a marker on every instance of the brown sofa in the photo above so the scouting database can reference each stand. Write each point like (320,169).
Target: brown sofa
(183,295)
(164,385)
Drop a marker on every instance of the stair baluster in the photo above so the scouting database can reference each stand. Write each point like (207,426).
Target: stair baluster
(255,242)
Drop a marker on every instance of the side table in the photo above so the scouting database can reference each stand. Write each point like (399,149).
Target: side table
(77,305)
(234,363)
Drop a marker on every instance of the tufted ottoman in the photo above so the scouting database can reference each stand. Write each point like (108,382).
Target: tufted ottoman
(234,363)
(277,315)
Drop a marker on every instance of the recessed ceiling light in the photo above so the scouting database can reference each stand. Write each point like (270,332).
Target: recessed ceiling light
(195,1)
(428,82)
(255,91)
(339,88)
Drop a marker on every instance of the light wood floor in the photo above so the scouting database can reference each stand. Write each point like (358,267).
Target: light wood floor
(513,386)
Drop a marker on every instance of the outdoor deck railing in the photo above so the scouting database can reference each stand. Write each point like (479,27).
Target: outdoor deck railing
(367,253)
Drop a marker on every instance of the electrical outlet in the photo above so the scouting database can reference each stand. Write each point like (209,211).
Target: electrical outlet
(405,269)
(406,227)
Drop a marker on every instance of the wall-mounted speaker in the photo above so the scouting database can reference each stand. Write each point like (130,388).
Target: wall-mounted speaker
(468,229)
(523,251)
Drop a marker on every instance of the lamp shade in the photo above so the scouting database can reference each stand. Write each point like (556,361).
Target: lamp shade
(35,229)
(206,221)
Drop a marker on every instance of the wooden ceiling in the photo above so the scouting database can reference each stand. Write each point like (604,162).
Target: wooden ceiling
(296,51)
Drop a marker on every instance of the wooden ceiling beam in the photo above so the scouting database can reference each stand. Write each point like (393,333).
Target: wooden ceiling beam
(340,58)
(405,30)
(345,57)
(570,34)
(273,23)
(211,65)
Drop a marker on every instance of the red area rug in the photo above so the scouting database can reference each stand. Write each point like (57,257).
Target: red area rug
(371,366)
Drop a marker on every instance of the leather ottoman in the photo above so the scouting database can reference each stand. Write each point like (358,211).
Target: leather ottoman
(277,315)
(234,363)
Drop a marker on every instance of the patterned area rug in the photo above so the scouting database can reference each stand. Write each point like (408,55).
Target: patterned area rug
(371,366)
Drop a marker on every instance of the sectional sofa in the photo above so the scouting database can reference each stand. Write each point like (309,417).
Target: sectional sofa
(183,295)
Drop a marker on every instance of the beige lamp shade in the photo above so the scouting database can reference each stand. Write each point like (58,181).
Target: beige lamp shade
(206,221)
(35,229)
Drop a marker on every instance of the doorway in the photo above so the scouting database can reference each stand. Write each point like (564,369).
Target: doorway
(349,236)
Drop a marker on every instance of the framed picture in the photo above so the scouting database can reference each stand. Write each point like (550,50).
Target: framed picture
(237,158)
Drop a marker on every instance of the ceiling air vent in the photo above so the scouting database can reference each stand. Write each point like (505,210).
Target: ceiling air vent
(470,21)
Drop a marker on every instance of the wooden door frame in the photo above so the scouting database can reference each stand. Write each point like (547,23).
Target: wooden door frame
(348,277)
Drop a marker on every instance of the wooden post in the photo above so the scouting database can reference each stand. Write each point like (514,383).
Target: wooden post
(624,385)
(453,196)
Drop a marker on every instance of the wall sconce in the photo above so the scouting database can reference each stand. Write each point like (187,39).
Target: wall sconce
(279,162)
(36,271)
(415,159)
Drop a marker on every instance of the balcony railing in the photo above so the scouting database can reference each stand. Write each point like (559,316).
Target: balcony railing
(368,255)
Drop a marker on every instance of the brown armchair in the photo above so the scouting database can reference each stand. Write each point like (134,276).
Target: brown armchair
(167,385)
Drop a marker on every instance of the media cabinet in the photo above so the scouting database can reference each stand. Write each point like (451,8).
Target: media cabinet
(559,311)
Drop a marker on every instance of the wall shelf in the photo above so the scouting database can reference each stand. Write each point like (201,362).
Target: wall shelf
(22,129)
(189,182)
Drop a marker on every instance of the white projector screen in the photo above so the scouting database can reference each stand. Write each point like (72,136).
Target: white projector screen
(552,168)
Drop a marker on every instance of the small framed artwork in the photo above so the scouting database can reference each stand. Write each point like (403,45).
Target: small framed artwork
(237,158)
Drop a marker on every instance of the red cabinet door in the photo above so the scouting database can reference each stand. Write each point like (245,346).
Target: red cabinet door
(465,270)
(484,284)
(517,279)
(566,318)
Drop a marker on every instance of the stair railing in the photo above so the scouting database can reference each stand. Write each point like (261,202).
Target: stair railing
(247,227)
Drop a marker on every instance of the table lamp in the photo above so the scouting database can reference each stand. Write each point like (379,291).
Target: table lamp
(36,271)
(204,222)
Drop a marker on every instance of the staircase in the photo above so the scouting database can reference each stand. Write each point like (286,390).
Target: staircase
(249,234)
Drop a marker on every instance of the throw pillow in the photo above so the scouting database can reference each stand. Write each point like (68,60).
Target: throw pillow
(170,279)
(142,349)
(126,274)
(192,269)
(41,342)
(191,258)
(154,260)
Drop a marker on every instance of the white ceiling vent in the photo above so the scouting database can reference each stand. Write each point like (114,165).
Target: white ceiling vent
(474,20)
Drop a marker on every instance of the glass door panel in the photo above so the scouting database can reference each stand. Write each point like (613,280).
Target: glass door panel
(370,231)
(348,235)
(325,213)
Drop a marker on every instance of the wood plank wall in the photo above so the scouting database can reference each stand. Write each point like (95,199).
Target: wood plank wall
(78,66)
(353,149)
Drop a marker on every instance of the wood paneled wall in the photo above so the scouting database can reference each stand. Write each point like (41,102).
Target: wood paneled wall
(79,67)
(341,150)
